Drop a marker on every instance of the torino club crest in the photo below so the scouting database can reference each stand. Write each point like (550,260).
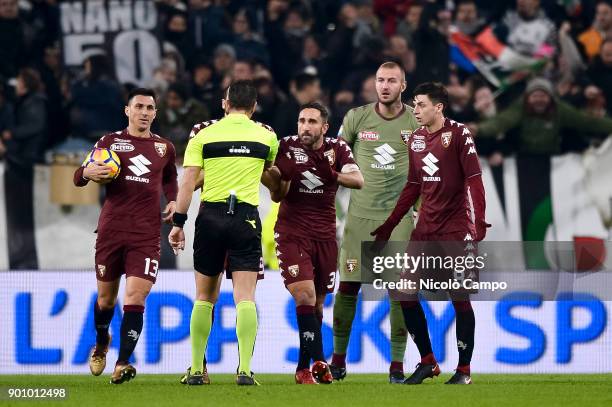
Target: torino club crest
(446,138)
(160,148)
(351,265)
(331,156)
(405,134)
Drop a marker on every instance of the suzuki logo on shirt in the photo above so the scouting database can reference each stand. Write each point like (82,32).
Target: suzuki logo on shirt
(311,182)
(384,157)
(430,167)
(139,167)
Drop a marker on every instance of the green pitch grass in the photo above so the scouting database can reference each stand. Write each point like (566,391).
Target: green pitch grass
(356,390)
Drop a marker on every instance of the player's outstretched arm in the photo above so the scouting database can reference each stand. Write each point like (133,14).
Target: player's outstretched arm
(477,193)
(351,177)
(170,186)
(407,199)
(176,238)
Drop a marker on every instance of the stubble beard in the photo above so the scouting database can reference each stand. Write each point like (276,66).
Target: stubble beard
(391,103)
(314,139)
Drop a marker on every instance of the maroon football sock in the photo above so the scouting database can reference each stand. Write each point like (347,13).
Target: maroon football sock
(396,367)
(339,360)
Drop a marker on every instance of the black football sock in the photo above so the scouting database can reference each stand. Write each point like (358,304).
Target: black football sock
(465,327)
(102,320)
(414,316)
(131,326)
(310,331)
(304,359)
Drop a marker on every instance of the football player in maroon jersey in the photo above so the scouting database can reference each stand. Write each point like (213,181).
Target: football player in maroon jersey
(128,239)
(312,167)
(445,173)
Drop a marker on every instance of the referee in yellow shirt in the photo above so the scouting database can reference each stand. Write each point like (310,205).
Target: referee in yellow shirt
(235,154)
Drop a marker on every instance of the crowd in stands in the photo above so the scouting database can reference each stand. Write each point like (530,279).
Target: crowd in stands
(528,76)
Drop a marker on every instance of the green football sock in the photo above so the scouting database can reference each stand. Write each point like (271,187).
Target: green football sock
(344,313)
(246,331)
(398,332)
(201,323)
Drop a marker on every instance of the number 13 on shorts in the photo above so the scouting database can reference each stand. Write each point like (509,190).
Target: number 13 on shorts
(151,266)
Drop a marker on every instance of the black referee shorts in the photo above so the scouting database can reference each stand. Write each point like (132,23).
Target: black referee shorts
(230,242)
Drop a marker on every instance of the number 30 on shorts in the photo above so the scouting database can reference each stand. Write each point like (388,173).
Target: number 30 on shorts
(151,271)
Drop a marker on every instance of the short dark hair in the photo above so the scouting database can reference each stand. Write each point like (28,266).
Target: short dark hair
(141,92)
(304,79)
(317,106)
(435,91)
(242,94)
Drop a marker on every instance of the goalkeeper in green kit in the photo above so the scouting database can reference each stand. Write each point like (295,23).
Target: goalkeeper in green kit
(377,134)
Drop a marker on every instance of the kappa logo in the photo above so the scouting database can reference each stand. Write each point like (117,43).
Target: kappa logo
(468,237)
(472,150)
(430,167)
(310,181)
(140,164)
(469,140)
(294,270)
(351,265)
(384,157)
(133,334)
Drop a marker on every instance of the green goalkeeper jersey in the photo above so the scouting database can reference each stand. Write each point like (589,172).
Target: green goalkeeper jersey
(380,149)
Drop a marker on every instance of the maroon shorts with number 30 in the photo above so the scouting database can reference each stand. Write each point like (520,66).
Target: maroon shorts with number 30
(303,259)
(126,253)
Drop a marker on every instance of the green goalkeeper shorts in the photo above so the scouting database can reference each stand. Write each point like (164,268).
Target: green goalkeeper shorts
(357,230)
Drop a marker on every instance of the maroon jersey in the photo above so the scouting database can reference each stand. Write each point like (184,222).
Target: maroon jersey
(309,209)
(132,201)
(441,163)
